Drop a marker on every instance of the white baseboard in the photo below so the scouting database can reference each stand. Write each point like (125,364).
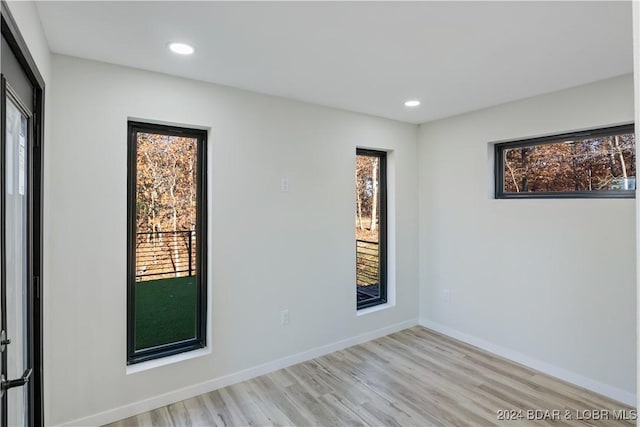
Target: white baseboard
(607,390)
(155,402)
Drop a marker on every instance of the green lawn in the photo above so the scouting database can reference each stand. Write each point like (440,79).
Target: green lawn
(165,311)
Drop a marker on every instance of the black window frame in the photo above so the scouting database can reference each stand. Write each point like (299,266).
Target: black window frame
(199,341)
(499,150)
(382,229)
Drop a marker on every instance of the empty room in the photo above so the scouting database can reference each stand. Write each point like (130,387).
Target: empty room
(318,213)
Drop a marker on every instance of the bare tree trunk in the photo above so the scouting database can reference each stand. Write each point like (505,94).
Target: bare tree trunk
(359,207)
(612,162)
(374,188)
(157,183)
(513,177)
(192,193)
(154,226)
(174,217)
(623,164)
(359,190)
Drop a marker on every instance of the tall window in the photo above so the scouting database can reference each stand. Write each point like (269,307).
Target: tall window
(371,227)
(166,301)
(594,163)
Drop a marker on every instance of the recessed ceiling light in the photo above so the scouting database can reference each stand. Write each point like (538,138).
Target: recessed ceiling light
(181,48)
(412,103)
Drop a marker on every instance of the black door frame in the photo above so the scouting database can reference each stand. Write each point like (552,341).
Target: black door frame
(14,38)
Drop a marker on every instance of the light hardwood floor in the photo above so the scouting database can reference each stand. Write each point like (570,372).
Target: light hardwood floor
(415,377)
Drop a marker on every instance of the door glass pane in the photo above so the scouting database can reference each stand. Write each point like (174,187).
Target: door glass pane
(166,218)
(16,257)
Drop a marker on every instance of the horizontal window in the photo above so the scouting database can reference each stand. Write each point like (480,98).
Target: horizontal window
(594,163)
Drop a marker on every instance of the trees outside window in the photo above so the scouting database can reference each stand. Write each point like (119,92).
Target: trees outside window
(595,163)
(371,229)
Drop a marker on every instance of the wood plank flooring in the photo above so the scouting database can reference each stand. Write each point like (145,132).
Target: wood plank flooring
(415,377)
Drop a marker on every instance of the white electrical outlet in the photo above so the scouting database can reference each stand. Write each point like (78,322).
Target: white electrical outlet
(284,185)
(446,293)
(284,317)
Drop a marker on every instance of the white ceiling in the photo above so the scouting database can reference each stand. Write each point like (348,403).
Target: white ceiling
(367,57)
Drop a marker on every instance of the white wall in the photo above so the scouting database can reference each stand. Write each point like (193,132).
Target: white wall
(549,282)
(26,16)
(268,251)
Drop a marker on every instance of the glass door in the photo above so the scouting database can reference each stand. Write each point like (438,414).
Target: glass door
(16,368)
(21,183)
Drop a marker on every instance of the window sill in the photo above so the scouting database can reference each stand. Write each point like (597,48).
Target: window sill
(169,360)
(375,308)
